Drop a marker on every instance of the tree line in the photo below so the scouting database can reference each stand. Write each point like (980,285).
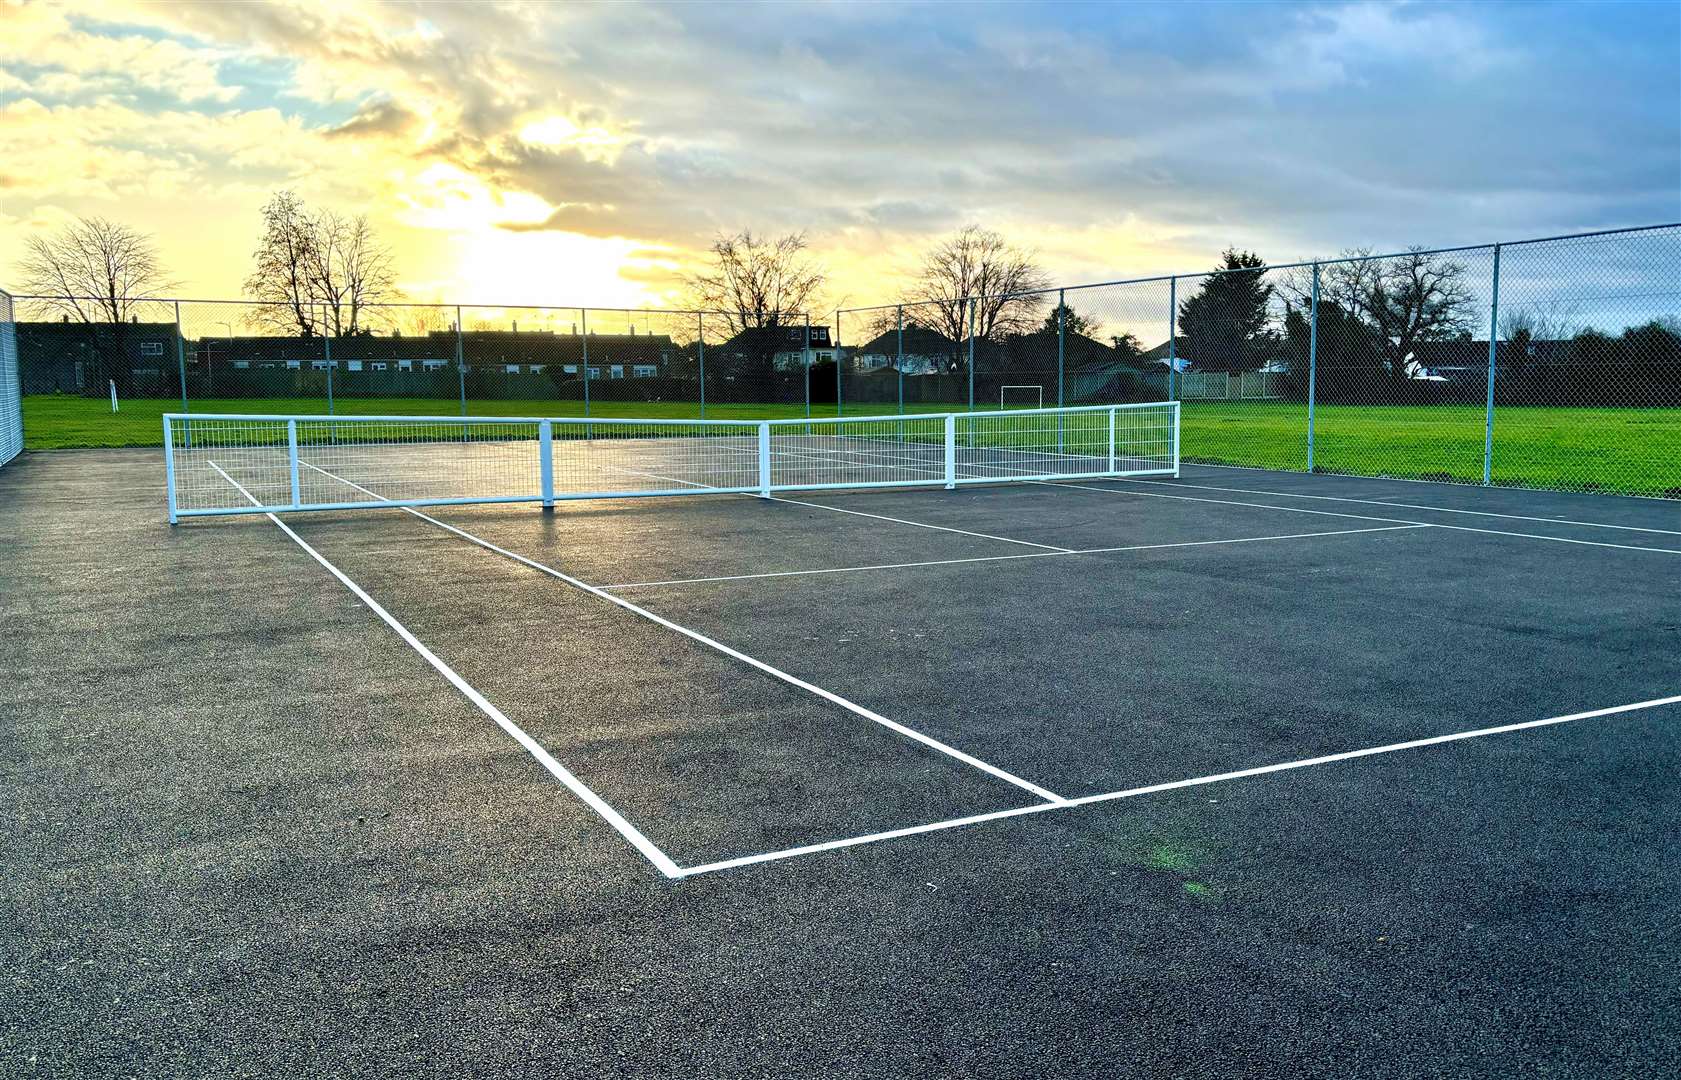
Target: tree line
(1379,318)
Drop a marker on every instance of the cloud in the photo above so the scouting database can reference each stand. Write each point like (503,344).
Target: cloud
(376,119)
(1115,146)
(59,56)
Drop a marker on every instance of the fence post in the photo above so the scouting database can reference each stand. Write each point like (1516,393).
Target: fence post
(292,461)
(837,344)
(971,358)
(1172,334)
(584,326)
(700,344)
(1061,350)
(1061,342)
(899,364)
(951,451)
(806,352)
(1493,352)
(181,357)
(1312,361)
(764,459)
(327,354)
(545,462)
(169,470)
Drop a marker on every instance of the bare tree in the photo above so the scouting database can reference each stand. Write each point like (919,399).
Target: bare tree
(316,273)
(756,282)
(92,270)
(1537,324)
(1402,299)
(96,272)
(350,270)
(977,263)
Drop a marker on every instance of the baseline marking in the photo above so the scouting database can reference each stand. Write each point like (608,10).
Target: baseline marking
(1409,506)
(1198,781)
(1051,797)
(560,772)
(1360,517)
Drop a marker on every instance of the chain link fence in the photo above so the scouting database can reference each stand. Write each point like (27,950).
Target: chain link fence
(1547,363)
(1551,363)
(90,380)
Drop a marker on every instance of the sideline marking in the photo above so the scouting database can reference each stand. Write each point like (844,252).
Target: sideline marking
(560,772)
(1150,789)
(1007,558)
(1409,506)
(1359,517)
(1050,797)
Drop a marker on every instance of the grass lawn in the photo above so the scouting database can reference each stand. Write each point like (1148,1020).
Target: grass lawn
(1628,451)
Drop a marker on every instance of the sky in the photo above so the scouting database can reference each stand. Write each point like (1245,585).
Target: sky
(587,154)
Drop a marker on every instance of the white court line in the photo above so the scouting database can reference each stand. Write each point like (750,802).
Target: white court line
(1007,558)
(1360,517)
(1408,506)
(556,769)
(1050,797)
(1151,789)
(1049,548)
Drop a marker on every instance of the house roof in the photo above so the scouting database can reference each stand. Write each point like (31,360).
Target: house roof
(919,341)
(779,338)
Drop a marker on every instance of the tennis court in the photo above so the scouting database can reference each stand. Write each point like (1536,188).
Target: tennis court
(856,761)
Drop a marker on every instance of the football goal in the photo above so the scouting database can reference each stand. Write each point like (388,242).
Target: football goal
(1021,396)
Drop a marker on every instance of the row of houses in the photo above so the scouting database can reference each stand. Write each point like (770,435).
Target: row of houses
(69,357)
(76,358)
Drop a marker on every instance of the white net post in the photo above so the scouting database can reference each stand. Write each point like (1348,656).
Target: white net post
(169,469)
(1112,413)
(951,451)
(1176,410)
(764,459)
(545,462)
(292,461)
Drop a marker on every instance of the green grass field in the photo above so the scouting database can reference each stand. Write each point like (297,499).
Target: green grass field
(1627,451)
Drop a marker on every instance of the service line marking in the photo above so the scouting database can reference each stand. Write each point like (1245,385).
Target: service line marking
(1151,789)
(1010,558)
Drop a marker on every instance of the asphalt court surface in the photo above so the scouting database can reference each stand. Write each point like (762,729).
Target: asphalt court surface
(254,825)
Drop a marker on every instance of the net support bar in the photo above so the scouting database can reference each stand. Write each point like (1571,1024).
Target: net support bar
(764,460)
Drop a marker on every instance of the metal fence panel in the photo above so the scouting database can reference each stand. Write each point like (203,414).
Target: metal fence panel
(1553,363)
(1550,363)
(1587,389)
(11,398)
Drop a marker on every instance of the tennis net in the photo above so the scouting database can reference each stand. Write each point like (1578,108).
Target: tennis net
(235,464)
